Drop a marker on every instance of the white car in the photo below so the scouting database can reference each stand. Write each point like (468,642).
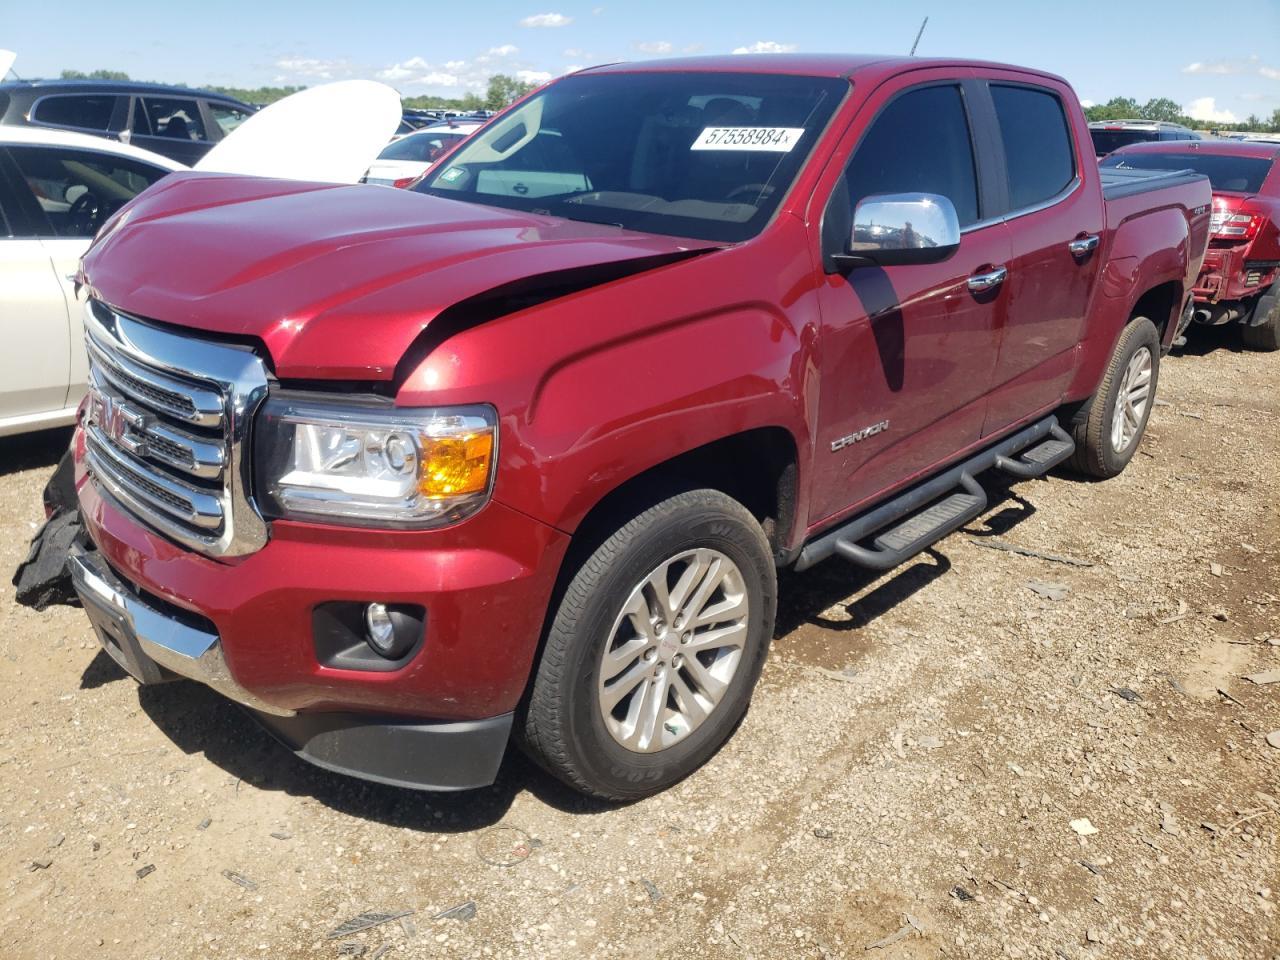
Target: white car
(56,189)
(407,158)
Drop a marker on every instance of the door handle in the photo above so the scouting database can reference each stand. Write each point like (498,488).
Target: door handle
(1082,246)
(980,282)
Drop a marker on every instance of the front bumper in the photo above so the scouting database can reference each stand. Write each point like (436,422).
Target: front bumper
(154,643)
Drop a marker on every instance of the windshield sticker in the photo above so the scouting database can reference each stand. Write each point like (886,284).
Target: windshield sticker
(773,139)
(452,174)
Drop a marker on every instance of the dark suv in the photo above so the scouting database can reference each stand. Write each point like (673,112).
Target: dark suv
(174,121)
(1109,135)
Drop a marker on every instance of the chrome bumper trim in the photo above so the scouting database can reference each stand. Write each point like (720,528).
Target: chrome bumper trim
(185,650)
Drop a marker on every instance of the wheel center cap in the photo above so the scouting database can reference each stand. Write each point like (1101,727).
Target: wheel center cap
(666,647)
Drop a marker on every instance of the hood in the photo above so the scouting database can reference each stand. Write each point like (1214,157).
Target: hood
(338,281)
(327,133)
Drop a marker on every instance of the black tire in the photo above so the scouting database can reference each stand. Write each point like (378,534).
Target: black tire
(1264,335)
(563,728)
(1096,455)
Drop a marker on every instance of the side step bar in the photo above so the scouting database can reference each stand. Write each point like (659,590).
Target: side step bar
(941,504)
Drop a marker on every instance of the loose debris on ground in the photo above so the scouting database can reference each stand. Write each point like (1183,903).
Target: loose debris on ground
(918,750)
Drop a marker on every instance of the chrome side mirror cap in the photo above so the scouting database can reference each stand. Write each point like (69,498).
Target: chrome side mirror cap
(901,228)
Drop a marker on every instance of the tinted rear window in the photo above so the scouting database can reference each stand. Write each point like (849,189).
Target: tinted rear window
(1037,144)
(1105,141)
(89,112)
(421,147)
(1226,174)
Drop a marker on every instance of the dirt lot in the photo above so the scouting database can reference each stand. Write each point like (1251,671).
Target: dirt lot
(908,774)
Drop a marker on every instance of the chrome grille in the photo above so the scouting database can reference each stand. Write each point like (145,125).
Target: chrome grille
(166,430)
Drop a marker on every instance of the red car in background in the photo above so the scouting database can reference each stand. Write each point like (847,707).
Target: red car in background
(1240,279)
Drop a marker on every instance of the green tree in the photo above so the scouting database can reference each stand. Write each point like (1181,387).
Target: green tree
(504,90)
(1275,121)
(94,75)
(1162,108)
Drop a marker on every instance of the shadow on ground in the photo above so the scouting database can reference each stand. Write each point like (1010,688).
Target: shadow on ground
(197,720)
(1203,340)
(30,451)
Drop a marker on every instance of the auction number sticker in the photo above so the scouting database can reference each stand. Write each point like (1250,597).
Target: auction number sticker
(774,139)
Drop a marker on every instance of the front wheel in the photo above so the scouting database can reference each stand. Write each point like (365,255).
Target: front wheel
(655,648)
(1108,431)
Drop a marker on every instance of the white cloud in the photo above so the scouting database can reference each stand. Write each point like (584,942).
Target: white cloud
(577,53)
(573,68)
(596,11)
(533,76)
(767,46)
(655,46)
(1239,65)
(313,69)
(472,74)
(1204,108)
(546,20)
(1220,67)
(1087,104)
(1271,73)
(506,50)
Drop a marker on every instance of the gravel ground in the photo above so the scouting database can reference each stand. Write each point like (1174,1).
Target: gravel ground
(941,762)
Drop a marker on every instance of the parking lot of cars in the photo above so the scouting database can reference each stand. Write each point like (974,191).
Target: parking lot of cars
(653,528)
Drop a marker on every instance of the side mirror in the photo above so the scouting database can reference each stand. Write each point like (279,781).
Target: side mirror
(901,228)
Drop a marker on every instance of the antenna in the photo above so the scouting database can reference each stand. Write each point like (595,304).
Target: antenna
(919,34)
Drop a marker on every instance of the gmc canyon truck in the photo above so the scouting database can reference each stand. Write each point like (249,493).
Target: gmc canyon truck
(518,453)
(1240,279)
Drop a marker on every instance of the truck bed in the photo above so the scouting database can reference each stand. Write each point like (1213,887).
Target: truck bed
(1118,182)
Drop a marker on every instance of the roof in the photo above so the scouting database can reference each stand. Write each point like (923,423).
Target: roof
(801,64)
(44,136)
(108,86)
(1144,124)
(1213,148)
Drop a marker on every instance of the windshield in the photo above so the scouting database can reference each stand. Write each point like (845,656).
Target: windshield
(1105,141)
(705,155)
(1226,174)
(422,147)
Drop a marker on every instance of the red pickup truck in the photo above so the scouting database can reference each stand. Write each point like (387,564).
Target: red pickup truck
(520,451)
(1240,278)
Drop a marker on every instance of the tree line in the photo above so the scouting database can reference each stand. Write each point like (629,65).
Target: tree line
(1162,108)
(501,91)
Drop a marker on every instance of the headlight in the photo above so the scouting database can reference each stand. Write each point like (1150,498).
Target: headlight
(370,465)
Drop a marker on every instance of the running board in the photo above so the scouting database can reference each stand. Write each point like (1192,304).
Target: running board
(940,505)
(1040,459)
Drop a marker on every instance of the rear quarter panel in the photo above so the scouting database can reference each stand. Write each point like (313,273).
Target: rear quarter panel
(1151,239)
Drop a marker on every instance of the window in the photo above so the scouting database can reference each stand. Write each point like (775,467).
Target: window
(421,147)
(706,155)
(918,144)
(227,117)
(1037,144)
(79,189)
(1226,174)
(168,117)
(88,112)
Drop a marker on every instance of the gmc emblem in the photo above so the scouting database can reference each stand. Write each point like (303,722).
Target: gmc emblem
(122,424)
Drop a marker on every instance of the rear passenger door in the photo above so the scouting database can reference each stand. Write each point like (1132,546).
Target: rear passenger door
(907,352)
(1052,205)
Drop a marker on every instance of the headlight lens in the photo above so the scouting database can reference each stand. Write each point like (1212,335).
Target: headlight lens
(365,464)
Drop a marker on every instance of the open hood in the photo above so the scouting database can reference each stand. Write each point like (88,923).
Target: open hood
(338,281)
(326,134)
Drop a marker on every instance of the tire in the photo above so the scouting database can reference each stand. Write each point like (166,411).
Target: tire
(1103,447)
(566,728)
(1264,335)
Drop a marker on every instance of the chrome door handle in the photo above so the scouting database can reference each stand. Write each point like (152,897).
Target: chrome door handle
(1083,245)
(989,280)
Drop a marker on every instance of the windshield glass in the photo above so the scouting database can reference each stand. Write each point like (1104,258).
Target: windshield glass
(1104,141)
(422,147)
(1226,174)
(705,155)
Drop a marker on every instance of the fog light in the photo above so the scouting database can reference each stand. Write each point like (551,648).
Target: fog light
(382,631)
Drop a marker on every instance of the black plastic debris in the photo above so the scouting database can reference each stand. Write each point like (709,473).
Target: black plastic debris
(42,579)
(146,871)
(363,922)
(963,895)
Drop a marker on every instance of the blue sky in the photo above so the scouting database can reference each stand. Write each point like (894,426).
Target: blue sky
(1216,68)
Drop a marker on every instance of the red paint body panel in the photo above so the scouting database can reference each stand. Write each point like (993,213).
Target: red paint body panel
(595,387)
